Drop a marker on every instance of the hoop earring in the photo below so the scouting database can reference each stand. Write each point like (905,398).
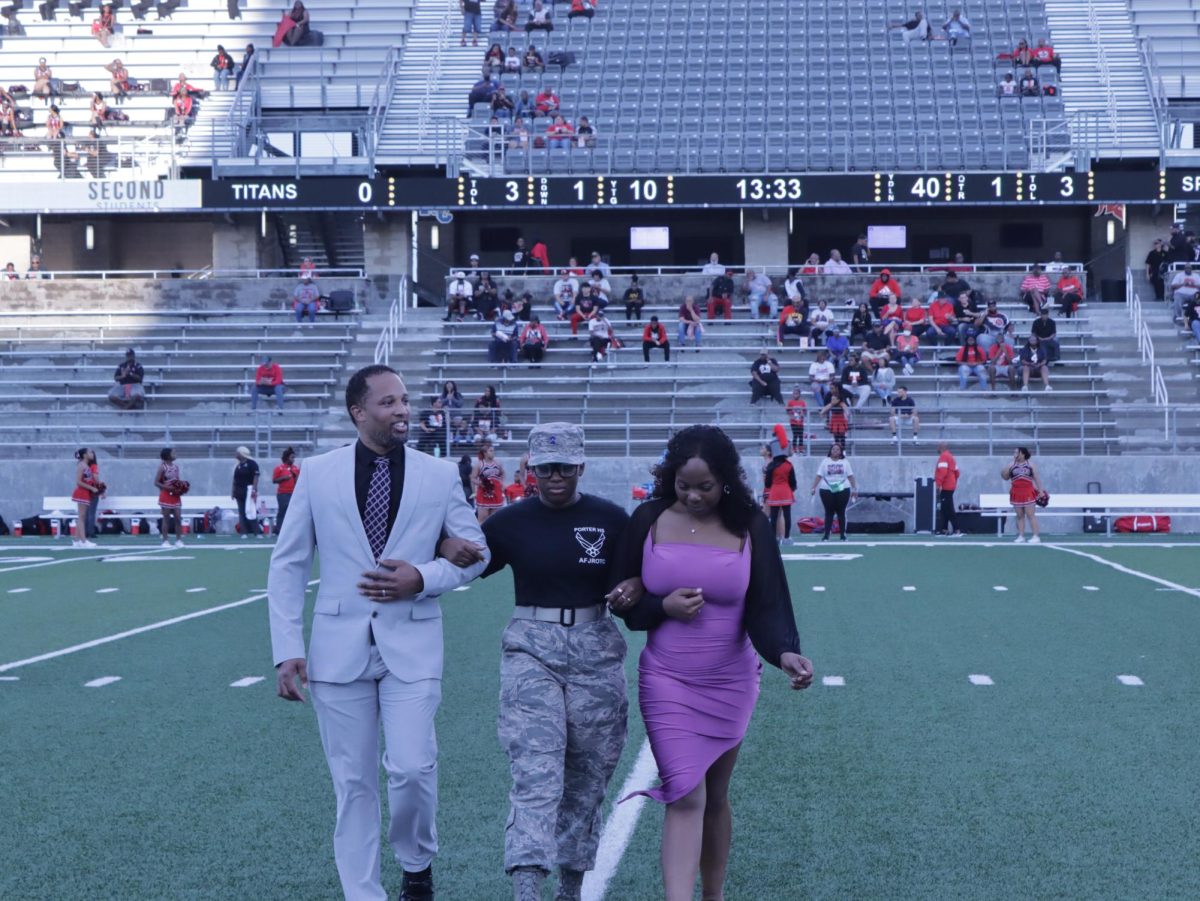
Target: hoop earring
(727,490)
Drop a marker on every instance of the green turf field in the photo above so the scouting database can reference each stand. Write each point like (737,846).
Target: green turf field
(908,781)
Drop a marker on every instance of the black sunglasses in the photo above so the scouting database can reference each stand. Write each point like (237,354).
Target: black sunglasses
(546,470)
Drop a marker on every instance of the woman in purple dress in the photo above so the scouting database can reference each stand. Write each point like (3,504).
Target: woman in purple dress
(715,592)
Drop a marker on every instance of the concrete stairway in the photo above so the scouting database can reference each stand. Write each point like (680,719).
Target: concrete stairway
(1173,29)
(432,82)
(209,137)
(1102,74)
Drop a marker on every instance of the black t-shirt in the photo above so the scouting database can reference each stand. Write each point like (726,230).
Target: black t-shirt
(559,557)
(722,286)
(1155,259)
(955,287)
(1044,328)
(633,295)
(903,405)
(245,473)
(764,370)
(472,6)
(855,376)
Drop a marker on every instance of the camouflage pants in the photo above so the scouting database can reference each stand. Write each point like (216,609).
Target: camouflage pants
(562,721)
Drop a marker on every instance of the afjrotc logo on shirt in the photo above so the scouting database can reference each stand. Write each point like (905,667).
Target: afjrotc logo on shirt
(592,541)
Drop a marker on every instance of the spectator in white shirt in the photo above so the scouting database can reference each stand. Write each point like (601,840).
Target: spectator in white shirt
(1056,265)
(1185,287)
(883,383)
(598,265)
(601,288)
(566,283)
(713,267)
(820,376)
(1007,87)
(835,265)
(600,336)
(820,321)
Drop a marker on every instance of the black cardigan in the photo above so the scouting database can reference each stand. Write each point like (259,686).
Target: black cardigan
(769,619)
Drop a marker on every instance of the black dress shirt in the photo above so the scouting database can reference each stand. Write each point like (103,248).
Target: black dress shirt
(364,465)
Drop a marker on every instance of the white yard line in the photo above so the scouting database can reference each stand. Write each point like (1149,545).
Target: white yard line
(196,590)
(106,590)
(834,681)
(10,678)
(17,590)
(69,559)
(1130,680)
(980,679)
(102,681)
(247,681)
(62,652)
(999,588)
(618,830)
(818,588)
(1166,583)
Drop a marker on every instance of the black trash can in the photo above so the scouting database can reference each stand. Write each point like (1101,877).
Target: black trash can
(924,504)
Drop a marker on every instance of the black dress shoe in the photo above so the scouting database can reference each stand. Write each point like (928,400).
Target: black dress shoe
(417,886)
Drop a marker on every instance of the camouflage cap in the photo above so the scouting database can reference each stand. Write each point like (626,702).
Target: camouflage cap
(556,442)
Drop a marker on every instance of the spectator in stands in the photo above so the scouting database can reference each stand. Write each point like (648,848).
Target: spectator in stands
(1185,287)
(8,115)
(835,265)
(820,377)
(1056,265)
(908,350)
(1044,55)
(238,72)
(764,378)
(601,337)
(585,308)
(566,285)
(861,323)
(512,61)
(812,266)
(1035,289)
(957,28)
(42,75)
(431,429)
(1001,357)
(942,327)
(547,102)
(793,286)
(655,336)
(904,408)
(1029,84)
(714,266)
(533,61)
(539,18)
(534,340)
(181,99)
(597,264)
(1155,260)
(856,381)
(860,253)
(838,346)
(294,26)
(972,361)
(268,379)
(689,323)
(768,305)
(103,27)
(493,60)
(502,105)
(993,323)
(97,111)
(876,348)
(915,29)
(1007,86)
(892,317)
(635,299)
(967,315)
(306,299)
(127,393)
(793,320)
(459,294)
(222,66)
(488,401)
(504,15)
(720,294)
(601,289)
(582,9)
(524,108)
(451,397)
(586,133)
(1033,359)
(820,321)
(472,13)
(915,317)
(54,123)
(1193,318)
(952,285)
(539,256)
(883,383)
(1022,55)
(307,266)
(10,273)
(884,289)
(503,347)
(1047,333)
(35,268)
(755,286)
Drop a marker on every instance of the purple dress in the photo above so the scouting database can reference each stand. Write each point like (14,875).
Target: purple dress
(698,681)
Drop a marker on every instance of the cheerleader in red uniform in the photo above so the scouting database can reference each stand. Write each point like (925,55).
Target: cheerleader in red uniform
(86,494)
(171,490)
(779,481)
(487,477)
(838,411)
(526,477)
(1024,490)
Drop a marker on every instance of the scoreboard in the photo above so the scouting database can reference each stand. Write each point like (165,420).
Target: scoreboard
(898,189)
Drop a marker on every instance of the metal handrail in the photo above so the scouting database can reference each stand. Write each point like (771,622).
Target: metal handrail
(381,101)
(768,268)
(433,78)
(117,154)
(1158,94)
(1133,303)
(395,321)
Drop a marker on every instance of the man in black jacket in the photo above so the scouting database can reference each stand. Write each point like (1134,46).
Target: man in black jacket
(1047,333)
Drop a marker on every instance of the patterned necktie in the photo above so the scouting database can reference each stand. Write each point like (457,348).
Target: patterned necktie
(375,516)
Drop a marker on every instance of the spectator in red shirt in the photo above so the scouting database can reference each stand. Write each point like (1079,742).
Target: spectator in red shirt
(268,379)
(1070,294)
(915,316)
(797,409)
(308,268)
(1022,55)
(181,97)
(943,328)
(584,8)
(972,361)
(514,492)
(284,477)
(546,104)
(559,134)
(720,298)
(1035,289)
(534,340)
(1044,55)
(654,335)
(885,288)
(945,477)
(1000,360)
(541,253)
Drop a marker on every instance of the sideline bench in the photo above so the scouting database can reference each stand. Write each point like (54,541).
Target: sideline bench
(144,507)
(997,505)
